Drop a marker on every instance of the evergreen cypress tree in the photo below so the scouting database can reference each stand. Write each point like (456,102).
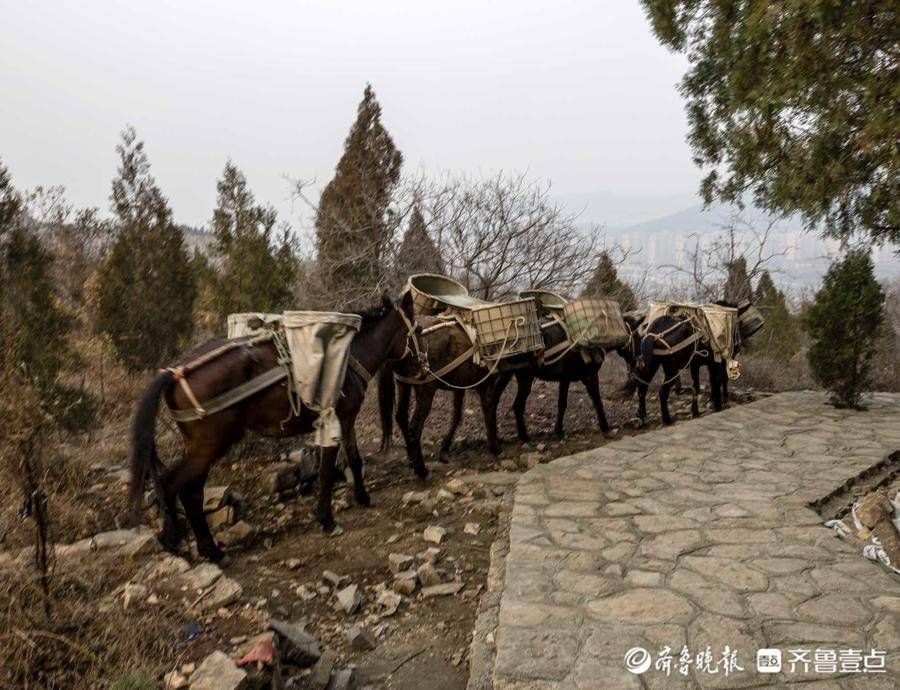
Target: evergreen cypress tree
(844,323)
(33,325)
(146,284)
(418,252)
(352,225)
(780,337)
(605,283)
(737,283)
(257,266)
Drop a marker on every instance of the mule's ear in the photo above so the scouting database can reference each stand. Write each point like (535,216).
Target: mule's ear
(406,303)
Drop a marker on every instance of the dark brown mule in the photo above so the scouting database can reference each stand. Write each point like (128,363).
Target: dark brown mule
(442,348)
(568,366)
(383,336)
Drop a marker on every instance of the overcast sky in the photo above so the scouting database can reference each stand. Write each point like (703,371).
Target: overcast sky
(579,93)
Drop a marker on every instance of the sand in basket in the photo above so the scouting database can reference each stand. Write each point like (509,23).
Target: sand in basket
(320,349)
(239,324)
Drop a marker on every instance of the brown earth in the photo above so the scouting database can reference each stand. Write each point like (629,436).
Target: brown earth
(425,643)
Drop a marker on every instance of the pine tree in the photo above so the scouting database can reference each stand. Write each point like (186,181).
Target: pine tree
(794,103)
(844,323)
(33,325)
(257,265)
(418,252)
(605,283)
(780,337)
(145,285)
(737,283)
(352,224)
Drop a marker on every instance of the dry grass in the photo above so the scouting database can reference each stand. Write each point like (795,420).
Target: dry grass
(88,640)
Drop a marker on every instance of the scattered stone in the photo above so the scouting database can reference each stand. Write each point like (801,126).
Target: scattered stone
(222,517)
(389,602)
(214,497)
(405,582)
(293,563)
(434,534)
(472,528)
(282,476)
(442,590)
(121,537)
(457,657)
(133,593)
(349,599)
(413,497)
(189,668)
(226,591)
(360,637)
(74,550)
(169,566)
(303,592)
(455,486)
(393,538)
(175,680)
(398,562)
(238,533)
(334,579)
(444,495)
(299,647)
(428,575)
(217,672)
(430,555)
(541,446)
(509,465)
(343,679)
(321,672)
(201,576)
(530,460)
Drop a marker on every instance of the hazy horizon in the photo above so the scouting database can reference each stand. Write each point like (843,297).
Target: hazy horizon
(582,96)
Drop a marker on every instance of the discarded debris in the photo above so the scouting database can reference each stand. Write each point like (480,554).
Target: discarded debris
(398,562)
(360,637)
(442,589)
(217,672)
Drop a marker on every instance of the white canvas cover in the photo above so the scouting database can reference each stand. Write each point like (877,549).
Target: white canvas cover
(319,343)
(718,324)
(238,324)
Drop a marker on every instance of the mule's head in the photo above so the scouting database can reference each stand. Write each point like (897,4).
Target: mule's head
(405,319)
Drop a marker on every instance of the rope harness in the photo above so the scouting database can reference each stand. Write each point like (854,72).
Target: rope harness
(670,349)
(281,371)
(428,374)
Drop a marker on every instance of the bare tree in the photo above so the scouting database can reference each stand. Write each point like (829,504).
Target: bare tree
(708,264)
(500,234)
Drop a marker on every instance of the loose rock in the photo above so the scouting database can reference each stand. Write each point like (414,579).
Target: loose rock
(389,602)
(217,672)
(299,647)
(349,599)
(133,593)
(442,590)
(334,579)
(430,555)
(428,575)
(360,637)
(413,497)
(226,591)
(175,680)
(405,582)
(434,534)
(472,528)
(398,562)
(238,533)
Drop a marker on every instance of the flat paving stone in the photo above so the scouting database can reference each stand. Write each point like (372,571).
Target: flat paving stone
(697,539)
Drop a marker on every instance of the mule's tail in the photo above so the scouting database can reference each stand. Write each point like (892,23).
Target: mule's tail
(386,395)
(144,460)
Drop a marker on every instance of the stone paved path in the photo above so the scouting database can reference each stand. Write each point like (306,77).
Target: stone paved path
(698,535)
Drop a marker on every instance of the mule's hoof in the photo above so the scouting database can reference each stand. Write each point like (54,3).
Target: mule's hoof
(214,555)
(365,501)
(335,531)
(612,433)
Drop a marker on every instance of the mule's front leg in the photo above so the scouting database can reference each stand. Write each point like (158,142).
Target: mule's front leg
(356,466)
(592,384)
(327,460)
(424,398)
(664,401)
